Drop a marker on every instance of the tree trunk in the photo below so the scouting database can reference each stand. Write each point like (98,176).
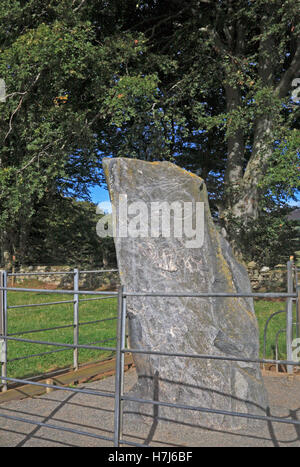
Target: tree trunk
(248,204)
(244,193)
(6,254)
(235,144)
(23,252)
(235,152)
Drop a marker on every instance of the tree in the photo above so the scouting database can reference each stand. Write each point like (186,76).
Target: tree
(204,83)
(223,106)
(41,125)
(64,233)
(60,65)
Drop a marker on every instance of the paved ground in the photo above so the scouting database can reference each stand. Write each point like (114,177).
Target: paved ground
(94,414)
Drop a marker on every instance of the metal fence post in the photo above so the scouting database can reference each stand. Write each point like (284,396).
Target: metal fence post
(297,288)
(122,363)
(1,302)
(76,319)
(119,368)
(3,328)
(289,316)
(298,309)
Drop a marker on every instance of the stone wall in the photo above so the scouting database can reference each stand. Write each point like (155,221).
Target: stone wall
(91,281)
(263,279)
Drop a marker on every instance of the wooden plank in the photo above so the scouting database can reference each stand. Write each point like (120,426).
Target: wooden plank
(86,374)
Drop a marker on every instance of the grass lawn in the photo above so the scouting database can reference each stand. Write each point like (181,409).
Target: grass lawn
(263,309)
(30,318)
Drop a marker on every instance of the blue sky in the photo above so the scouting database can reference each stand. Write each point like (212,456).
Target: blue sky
(100,195)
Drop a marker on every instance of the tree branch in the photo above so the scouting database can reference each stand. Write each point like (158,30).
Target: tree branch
(16,94)
(37,156)
(12,116)
(20,105)
(294,68)
(79,6)
(28,164)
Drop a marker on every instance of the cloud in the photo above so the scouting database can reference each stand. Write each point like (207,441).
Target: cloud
(104,207)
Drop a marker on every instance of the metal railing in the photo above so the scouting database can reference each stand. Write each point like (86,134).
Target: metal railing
(118,395)
(4,308)
(121,350)
(292,284)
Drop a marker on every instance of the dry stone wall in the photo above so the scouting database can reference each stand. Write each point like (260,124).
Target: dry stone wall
(263,279)
(105,280)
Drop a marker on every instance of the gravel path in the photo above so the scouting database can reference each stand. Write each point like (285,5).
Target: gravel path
(94,414)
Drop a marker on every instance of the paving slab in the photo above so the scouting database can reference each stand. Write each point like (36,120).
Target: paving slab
(94,414)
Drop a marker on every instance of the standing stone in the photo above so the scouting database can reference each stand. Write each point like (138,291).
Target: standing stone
(215,326)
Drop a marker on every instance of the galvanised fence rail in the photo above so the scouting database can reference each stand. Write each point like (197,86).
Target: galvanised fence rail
(4,308)
(118,395)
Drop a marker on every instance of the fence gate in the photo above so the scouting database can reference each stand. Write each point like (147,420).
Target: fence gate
(118,394)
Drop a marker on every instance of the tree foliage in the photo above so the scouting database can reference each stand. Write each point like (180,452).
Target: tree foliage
(63,233)
(206,84)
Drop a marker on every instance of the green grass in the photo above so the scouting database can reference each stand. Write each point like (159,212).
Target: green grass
(263,310)
(30,318)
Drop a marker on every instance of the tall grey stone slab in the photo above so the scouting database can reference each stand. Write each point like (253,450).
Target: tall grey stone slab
(213,326)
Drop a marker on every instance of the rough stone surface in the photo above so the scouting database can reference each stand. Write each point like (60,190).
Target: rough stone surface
(216,326)
(90,281)
(266,279)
